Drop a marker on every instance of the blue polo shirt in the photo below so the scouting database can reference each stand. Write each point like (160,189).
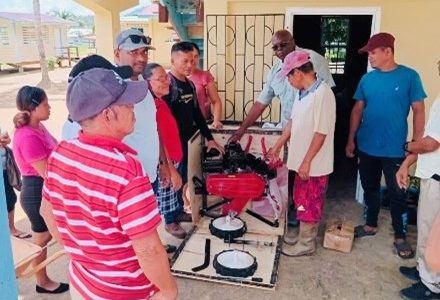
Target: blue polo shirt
(388,97)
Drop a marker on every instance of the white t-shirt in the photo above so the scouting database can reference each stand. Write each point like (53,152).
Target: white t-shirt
(314,112)
(428,164)
(145,138)
(70,130)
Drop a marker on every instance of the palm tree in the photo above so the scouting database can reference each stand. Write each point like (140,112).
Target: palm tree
(63,14)
(45,80)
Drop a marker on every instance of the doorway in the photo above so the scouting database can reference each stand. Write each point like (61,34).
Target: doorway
(337,34)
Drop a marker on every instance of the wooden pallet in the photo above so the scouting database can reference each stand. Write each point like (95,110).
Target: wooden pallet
(24,252)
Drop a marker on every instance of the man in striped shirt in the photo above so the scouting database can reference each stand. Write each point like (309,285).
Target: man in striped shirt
(98,201)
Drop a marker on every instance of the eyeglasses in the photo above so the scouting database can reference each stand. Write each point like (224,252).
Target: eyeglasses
(280,46)
(136,39)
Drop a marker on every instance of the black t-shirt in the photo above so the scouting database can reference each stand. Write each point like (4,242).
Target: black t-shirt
(186,111)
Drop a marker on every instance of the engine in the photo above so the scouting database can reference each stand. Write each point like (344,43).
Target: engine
(235,160)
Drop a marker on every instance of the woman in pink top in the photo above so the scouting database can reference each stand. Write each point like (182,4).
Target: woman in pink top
(207,94)
(32,145)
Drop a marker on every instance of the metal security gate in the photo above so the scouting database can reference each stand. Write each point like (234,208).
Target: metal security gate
(239,55)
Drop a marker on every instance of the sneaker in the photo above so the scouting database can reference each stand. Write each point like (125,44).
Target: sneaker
(175,230)
(410,273)
(418,291)
(184,217)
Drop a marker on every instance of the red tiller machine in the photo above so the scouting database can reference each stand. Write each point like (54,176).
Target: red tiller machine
(240,188)
(238,177)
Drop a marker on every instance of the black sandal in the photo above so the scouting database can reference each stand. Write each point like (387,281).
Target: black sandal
(404,250)
(359,231)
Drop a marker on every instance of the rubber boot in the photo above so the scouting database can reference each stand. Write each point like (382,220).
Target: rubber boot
(306,244)
(291,236)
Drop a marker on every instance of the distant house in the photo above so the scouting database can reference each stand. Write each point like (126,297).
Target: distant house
(145,18)
(18,39)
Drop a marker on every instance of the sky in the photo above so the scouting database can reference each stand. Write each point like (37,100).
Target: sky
(46,6)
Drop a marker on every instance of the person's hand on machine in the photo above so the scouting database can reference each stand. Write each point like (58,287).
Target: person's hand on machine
(212,144)
(238,134)
(273,155)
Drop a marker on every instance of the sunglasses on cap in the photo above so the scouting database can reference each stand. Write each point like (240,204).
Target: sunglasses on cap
(136,39)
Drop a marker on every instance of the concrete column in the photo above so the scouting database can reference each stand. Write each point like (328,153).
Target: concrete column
(8,284)
(107,27)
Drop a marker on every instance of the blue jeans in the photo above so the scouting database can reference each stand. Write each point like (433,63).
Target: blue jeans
(370,171)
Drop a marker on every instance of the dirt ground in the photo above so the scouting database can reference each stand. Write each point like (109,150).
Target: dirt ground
(370,271)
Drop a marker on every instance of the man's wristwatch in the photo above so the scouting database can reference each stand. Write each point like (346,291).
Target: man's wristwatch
(405,146)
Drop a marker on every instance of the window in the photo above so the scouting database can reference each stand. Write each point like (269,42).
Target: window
(4,36)
(30,36)
(334,41)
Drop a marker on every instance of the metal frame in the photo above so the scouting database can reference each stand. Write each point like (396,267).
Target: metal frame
(234,49)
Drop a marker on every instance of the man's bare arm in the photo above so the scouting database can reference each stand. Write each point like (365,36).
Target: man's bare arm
(315,146)
(355,120)
(256,111)
(154,262)
(274,152)
(424,145)
(418,109)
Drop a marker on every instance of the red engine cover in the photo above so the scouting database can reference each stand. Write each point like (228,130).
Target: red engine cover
(240,188)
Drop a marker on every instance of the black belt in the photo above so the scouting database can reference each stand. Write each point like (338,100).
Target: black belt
(436,177)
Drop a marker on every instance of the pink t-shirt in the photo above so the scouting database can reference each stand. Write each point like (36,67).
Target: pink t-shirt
(31,145)
(201,80)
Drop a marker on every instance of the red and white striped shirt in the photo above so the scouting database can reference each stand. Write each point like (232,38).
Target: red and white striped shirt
(101,199)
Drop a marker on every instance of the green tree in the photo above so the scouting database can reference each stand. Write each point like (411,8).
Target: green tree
(63,14)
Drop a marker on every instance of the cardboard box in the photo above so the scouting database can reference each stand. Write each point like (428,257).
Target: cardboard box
(339,235)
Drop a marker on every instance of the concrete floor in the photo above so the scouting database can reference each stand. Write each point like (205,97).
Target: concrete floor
(370,271)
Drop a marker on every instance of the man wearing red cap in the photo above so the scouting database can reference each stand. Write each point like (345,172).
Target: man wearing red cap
(311,131)
(379,123)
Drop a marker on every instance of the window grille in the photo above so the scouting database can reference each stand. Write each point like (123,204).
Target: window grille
(30,35)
